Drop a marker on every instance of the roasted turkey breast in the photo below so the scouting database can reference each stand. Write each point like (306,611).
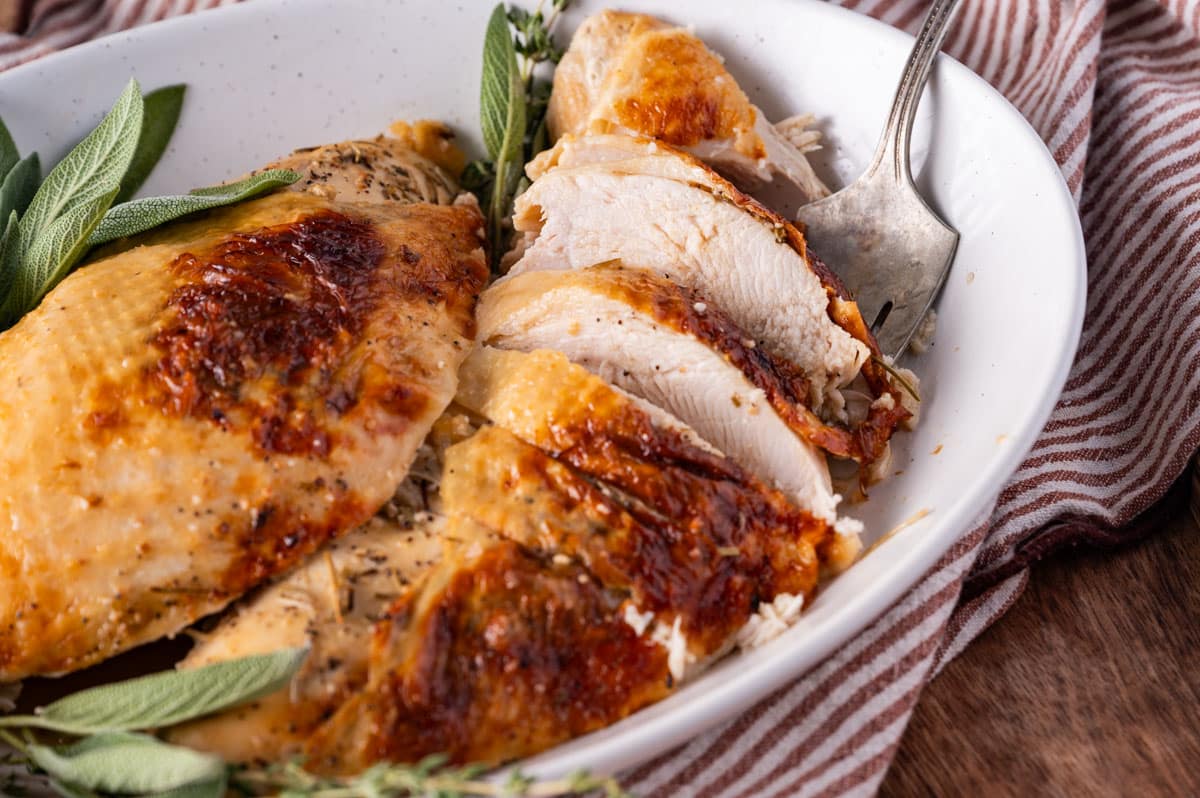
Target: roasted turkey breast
(664,343)
(329,604)
(205,406)
(633,73)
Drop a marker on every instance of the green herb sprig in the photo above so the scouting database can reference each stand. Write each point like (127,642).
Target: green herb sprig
(512,110)
(48,226)
(115,756)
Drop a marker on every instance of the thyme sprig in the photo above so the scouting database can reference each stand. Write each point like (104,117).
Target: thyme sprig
(897,376)
(428,777)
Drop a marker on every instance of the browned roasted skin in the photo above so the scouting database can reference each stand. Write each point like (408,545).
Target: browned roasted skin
(670,546)
(574,507)
(195,414)
(632,73)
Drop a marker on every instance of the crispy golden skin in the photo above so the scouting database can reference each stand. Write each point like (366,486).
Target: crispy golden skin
(634,74)
(188,417)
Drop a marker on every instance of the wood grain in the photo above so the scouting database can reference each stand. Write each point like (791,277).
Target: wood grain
(1089,686)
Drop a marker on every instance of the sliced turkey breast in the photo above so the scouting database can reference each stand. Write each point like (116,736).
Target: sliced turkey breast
(604,198)
(556,405)
(636,74)
(672,370)
(670,346)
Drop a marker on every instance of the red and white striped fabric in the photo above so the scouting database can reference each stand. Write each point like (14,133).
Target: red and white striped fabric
(1114,89)
(49,25)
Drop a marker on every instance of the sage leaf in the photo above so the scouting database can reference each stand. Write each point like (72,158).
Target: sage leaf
(126,763)
(214,788)
(502,116)
(95,164)
(8,150)
(160,115)
(140,215)
(501,90)
(56,249)
(19,186)
(164,699)
(285,177)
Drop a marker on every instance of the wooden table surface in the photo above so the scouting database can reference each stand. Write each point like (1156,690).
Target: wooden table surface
(1089,686)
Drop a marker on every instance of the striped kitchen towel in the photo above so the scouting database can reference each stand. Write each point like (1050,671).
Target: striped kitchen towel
(1114,90)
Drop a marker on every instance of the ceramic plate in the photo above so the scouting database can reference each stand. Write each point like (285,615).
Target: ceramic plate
(271,75)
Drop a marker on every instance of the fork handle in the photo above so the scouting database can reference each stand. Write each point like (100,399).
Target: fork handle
(892,155)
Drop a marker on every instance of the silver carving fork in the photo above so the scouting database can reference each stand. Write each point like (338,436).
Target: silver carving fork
(878,234)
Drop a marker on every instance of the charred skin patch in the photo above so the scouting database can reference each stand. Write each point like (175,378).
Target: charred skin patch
(279,306)
(510,656)
(688,496)
(684,309)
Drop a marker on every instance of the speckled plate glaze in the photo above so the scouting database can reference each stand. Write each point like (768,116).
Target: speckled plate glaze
(271,75)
